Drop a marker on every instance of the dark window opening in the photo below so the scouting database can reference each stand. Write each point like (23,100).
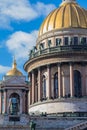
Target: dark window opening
(42,45)
(58,41)
(56,85)
(66,39)
(83,40)
(12,118)
(14,104)
(75,40)
(49,43)
(77,84)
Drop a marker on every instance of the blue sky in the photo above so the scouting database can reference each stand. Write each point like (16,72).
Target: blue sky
(19,24)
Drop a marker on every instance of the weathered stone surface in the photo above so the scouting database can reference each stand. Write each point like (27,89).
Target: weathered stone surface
(58,106)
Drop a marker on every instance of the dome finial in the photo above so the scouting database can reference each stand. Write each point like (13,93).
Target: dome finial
(14,71)
(14,63)
(68,0)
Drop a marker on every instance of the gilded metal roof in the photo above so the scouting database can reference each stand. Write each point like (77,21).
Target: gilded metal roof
(68,15)
(14,71)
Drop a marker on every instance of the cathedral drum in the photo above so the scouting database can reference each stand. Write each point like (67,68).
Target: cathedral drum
(57,65)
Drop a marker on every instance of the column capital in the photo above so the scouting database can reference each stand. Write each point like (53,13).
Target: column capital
(1,90)
(48,66)
(59,63)
(83,64)
(23,90)
(32,71)
(39,68)
(27,91)
(5,90)
(71,63)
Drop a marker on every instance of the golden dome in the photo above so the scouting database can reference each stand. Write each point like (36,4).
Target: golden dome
(14,71)
(68,15)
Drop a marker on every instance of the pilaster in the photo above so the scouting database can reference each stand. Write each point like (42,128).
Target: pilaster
(49,81)
(39,84)
(5,101)
(71,80)
(59,80)
(84,80)
(33,87)
(23,101)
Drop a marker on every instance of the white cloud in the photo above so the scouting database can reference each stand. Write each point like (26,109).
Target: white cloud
(43,9)
(19,44)
(21,10)
(4,69)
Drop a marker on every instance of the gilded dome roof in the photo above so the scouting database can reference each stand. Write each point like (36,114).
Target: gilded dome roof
(68,15)
(14,71)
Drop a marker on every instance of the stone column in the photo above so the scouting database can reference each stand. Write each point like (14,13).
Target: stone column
(27,105)
(26,102)
(23,101)
(49,81)
(36,92)
(33,87)
(52,86)
(83,80)
(71,81)
(63,84)
(5,101)
(39,84)
(59,80)
(21,104)
(30,90)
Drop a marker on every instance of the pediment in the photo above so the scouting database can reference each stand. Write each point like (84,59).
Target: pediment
(14,81)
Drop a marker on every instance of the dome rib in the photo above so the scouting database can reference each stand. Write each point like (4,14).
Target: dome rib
(81,17)
(63,16)
(49,20)
(78,18)
(59,18)
(74,17)
(43,25)
(70,15)
(85,18)
(56,17)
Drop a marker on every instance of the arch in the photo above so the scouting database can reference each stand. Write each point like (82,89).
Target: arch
(44,87)
(56,85)
(77,84)
(14,103)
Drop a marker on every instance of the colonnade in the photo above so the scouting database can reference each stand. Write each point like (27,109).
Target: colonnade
(61,92)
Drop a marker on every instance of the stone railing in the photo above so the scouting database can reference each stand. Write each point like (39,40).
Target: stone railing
(58,49)
(81,126)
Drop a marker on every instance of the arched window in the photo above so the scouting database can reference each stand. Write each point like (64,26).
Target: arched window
(44,87)
(14,103)
(56,85)
(77,84)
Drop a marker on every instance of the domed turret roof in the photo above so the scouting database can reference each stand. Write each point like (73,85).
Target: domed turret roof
(68,15)
(14,71)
